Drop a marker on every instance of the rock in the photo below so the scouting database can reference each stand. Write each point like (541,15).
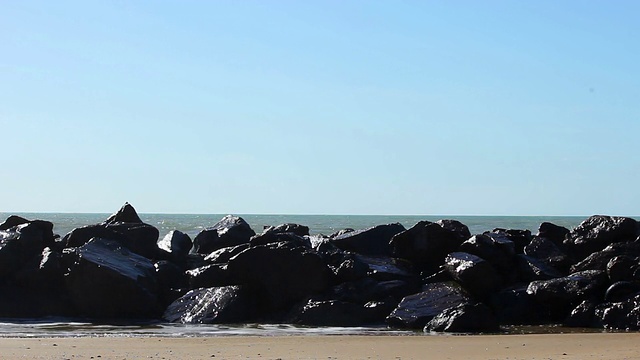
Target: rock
(582,315)
(562,294)
(599,259)
(498,250)
(230,231)
(464,318)
(366,290)
(621,291)
(215,275)
(80,236)
(177,243)
(341,232)
(372,241)
(514,306)
(461,230)
(531,269)
(547,251)
(597,232)
(332,313)
(13,220)
(623,315)
(126,214)
(415,311)
(296,229)
(275,237)
(107,281)
(172,281)
(225,254)
(352,269)
(216,305)
(474,273)
(426,244)
(284,275)
(140,238)
(519,238)
(621,268)
(384,268)
(554,233)
(20,244)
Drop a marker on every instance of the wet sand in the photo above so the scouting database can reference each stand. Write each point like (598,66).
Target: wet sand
(542,346)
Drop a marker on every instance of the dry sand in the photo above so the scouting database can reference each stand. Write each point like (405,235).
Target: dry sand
(547,346)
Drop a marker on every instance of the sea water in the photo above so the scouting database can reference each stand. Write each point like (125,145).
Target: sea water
(191,224)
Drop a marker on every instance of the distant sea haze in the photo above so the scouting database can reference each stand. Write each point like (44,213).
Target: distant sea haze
(318,224)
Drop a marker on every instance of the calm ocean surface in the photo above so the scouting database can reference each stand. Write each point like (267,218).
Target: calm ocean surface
(192,224)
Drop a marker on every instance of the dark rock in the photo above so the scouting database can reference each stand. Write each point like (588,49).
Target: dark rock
(351,269)
(107,281)
(597,232)
(297,229)
(215,275)
(285,275)
(372,241)
(20,244)
(562,294)
(514,306)
(473,273)
(271,237)
(426,244)
(172,280)
(582,315)
(225,254)
(464,318)
(519,238)
(341,232)
(498,250)
(177,243)
(621,268)
(126,214)
(230,231)
(547,251)
(367,290)
(140,238)
(531,269)
(332,313)
(80,236)
(461,230)
(384,268)
(216,305)
(11,221)
(599,259)
(623,315)
(554,233)
(621,291)
(415,311)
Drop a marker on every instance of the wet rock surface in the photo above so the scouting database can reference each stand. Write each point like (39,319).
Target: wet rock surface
(434,276)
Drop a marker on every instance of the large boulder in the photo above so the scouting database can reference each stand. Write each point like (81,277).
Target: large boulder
(497,249)
(427,243)
(229,231)
(333,313)
(531,269)
(21,243)
(371,241)
(555,233)
(216,305)
(300,230)
(138,237)
(464,318)
(624,315)
(176,243)
(107,281)
(514,306)
(283,274)
(473,273)
(549,252)
(599,259)
(366,290)
(560,295)
(126,214)
(597,232)
(415,311)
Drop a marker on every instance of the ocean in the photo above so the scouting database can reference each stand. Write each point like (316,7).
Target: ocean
(194,223)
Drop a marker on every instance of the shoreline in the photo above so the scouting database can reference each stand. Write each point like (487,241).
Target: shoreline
(611,346)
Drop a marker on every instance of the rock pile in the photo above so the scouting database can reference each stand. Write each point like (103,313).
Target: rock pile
(435,276)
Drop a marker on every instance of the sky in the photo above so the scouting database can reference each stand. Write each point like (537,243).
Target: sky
(321,107)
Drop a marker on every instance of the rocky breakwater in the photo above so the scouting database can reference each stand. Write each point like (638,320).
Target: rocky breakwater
(435,276)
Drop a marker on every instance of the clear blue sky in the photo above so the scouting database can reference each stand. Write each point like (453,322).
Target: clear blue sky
(323,107)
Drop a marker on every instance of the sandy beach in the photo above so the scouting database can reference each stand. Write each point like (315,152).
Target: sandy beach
(544,346)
